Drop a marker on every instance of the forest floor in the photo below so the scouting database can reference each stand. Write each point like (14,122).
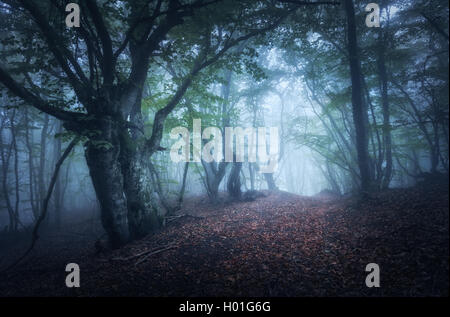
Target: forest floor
(279,245)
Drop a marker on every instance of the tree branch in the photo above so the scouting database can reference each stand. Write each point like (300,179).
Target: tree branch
(435,26)
(162,114)
(36,101)
(61,54)
(134,26)
(108,55)
(310,3)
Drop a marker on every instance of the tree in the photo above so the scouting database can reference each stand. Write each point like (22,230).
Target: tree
(94,60)
(360,118)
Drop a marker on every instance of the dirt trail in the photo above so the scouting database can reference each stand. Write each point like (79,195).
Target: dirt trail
(280,245)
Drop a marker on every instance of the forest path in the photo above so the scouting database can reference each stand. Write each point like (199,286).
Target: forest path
(279,245)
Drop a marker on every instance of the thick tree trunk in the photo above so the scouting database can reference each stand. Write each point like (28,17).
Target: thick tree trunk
(102,157)
(142,215)
(359,112)
(214,175)
(234,181)
(121,177)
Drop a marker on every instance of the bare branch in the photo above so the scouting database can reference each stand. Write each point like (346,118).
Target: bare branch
(61,54)
(35,100)
(435,26)
(108,55)
(302,3)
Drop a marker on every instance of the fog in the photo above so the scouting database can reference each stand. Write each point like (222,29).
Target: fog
(295,76)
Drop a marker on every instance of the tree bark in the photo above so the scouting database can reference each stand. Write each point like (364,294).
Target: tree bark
(251,170)
(271,185)
(6,157)
(57,191)
(42,157)
(359,112)
(31,176)
(183,184)
(214,175)
(234,181)
(387,173)
(106,173)
(142,215)
(16,172)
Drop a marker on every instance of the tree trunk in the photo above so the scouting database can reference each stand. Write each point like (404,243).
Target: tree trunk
(142,214)
(42,157)
(183,184)
(271,185)
(5,169)
(251,170)
(16,173)
(121,176)
(57,191)
(359,112)
(106,173)
(387,173)
(214,175)
(31,176)
(234,181)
